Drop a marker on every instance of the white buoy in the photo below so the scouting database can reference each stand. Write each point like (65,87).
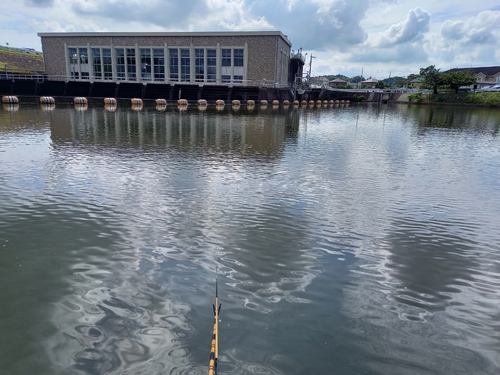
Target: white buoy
(9,99)
(79,100)
(47,100)
(110,101)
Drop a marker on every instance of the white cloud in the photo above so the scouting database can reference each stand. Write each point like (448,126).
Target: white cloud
(481,29)
(453,30)
(345,35)
(40,3)
(411,29)
(471,41)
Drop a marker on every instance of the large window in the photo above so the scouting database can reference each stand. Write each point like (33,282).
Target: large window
(131,64)
(145,64)
(73,56)
(174,63)
(84,63)
(96,63)
(238,57)
(185,65)
(226,57)
(232,61)
(199,65)
(84,55)
(159,64)
(211,65)
(107,63)
(73,63)
(120,63)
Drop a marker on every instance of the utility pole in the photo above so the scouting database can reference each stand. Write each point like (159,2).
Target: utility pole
(310,66)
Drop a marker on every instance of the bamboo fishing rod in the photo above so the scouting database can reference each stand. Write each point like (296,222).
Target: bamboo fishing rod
(214,349)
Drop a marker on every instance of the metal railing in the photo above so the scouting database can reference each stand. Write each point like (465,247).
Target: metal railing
(23,76)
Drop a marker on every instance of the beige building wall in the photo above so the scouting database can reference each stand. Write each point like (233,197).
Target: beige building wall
(266,54)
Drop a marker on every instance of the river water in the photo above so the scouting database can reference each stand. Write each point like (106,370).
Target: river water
(346,240)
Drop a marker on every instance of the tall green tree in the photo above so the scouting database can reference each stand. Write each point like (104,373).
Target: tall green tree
(410,78)
(356,79)
(458,79)
(432,77)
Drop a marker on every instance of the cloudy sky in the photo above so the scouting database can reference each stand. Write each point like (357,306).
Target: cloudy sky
(378,37)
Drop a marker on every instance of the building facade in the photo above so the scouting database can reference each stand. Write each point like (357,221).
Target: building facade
(234,58)
(485,76)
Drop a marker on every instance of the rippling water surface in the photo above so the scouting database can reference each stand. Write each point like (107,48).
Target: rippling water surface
(348,240)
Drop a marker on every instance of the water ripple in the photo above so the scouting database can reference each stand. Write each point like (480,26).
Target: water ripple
(365,236)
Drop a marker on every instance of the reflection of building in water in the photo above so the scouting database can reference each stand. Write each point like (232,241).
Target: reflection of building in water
(191,132)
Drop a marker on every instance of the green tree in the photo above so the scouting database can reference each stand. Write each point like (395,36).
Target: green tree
(458,79)
(380,85)
(410,78)
(393,81)
(356,79)
(432,77)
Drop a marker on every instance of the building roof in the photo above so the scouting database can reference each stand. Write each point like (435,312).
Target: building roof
(486,70)
(338,80)
(167,34)
(417,80)
(371,80)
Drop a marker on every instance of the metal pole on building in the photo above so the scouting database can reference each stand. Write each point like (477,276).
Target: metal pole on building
(310,65)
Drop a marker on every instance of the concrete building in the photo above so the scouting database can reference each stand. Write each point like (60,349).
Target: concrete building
(230,58)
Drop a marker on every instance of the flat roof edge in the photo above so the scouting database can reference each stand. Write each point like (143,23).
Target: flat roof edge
(166,33)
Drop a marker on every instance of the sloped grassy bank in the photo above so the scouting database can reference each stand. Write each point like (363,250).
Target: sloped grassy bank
(15,61)
(482,98)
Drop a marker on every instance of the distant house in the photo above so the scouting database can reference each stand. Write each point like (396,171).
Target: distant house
(369,83)
(319,81)
(485,76)
(337,82)
(416,83)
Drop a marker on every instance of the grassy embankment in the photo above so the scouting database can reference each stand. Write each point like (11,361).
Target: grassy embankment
(483,98)
(20,62)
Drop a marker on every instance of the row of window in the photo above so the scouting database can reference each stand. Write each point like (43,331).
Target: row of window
(150,64)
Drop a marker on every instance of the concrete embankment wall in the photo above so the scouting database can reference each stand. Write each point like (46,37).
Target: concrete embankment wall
(152,91)
(353,96)
(192,93)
